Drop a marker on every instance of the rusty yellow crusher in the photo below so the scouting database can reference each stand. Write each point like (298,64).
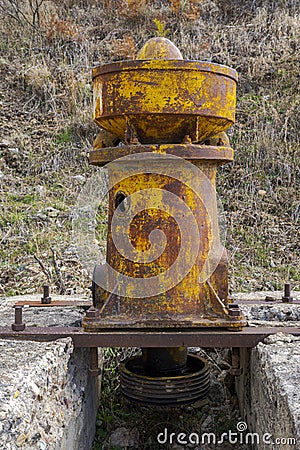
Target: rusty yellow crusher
(165,266)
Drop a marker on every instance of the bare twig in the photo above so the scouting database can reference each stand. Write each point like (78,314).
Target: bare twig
(13,9)
(44,269)
(59,279)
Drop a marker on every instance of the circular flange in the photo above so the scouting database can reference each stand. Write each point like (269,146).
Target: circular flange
(190,152)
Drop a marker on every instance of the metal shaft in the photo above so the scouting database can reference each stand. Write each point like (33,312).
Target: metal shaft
(164,361)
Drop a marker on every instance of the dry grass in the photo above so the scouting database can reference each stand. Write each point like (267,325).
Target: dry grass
(45,64)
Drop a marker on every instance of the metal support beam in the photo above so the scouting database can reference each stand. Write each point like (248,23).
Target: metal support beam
(249,337)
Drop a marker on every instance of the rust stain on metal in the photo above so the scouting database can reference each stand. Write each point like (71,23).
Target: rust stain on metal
(164,100)
(201,337)
(159,48)
(189,303)
(57,303)
(190,152)
(161,104)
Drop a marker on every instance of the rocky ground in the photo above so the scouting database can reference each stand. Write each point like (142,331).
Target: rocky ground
(37,400)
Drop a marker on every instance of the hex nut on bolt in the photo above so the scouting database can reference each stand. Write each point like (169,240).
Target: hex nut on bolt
(91,313)
(18,326)
(234,310)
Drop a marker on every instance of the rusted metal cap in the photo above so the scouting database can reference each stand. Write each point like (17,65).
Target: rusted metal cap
(163,98)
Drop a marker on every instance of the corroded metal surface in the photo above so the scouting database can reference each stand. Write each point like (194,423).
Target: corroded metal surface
(190,152)
(159,48)
(189,303)
(247,338)
(164,100)
(57,303)
(171,104)
(189,387)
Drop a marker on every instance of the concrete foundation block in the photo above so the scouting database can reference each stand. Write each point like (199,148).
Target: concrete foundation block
(48,399)
(269,392)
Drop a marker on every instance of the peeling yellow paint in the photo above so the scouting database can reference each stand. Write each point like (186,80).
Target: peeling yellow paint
(165,100)
(171,104)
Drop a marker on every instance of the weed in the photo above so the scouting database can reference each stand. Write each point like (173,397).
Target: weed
(56,28)
(124,48)
(161,28)
(25,13)
(64,137)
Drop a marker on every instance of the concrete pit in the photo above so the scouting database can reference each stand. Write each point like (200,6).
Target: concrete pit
(48,400)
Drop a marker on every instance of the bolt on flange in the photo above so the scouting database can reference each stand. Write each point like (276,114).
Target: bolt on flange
(287,298)
(46,299)
(18,325)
